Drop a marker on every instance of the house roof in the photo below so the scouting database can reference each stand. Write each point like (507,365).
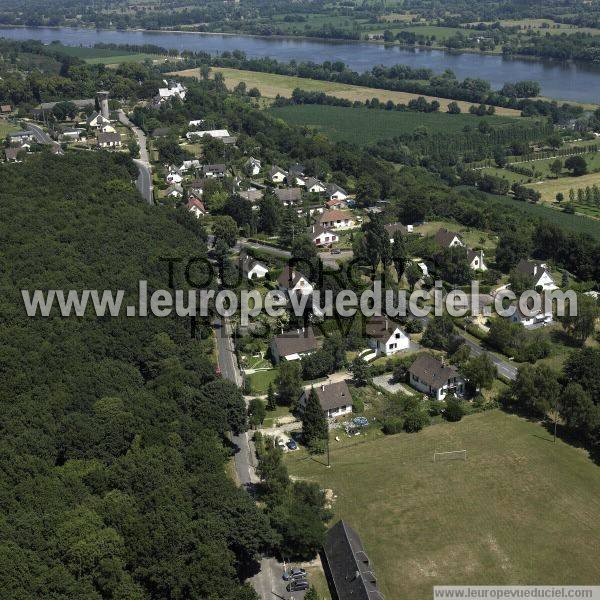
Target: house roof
(471,254)
(335,202)
(161,131)
(295,342)
(11,153)
(349,564)
(289,194)
(432,371)
(314,231)
(310,181)
(5,107)
(532,269)
(287,274)
(195,203)
(248,263)
(251,195)
(198,184)
(380,328)
(296,169)
(444,237)
(333,395)
(217,168)
(392,228)
(176,187)
(334,215)
(109,138)
(275,169)
(332,188)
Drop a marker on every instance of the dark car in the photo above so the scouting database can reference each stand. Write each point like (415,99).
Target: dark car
(336,251)
(298,573)
(291,444)
(298,586)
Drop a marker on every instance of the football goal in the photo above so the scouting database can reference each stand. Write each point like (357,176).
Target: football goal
(452,455)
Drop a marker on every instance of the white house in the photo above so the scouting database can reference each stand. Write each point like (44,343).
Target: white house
(336,219)
(213,171)
(96,120)
(314,186)
(175,191)
(538,273)
(385,337)
(475,260)
(448,239)
(293,345)
(431,376)
(174,177)
(277,175)
(292,281)
(186,165)
(196,123)
(109,140)
(172,90)
(535,319)
(252,166)
(335,192)
(253,269)
(335,398)
(213,133)
(321,236)
(196,207)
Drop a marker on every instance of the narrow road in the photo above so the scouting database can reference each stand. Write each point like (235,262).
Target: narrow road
(41,137)
(144,180)
(268,582)
(505,368)
(242,243)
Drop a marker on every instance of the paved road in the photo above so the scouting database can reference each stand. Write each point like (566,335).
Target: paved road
(144,180)
(505,368)
(41,137)
(268,582)
(242,243)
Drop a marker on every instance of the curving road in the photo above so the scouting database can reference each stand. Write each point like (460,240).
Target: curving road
(144,180)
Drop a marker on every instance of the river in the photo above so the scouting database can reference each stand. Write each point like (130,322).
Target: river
(565,81)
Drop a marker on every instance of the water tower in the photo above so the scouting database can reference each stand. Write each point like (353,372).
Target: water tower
(102,98)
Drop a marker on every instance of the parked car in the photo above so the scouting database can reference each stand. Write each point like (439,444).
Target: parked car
(294,574)
(336,251)
(298,586)
(292,445)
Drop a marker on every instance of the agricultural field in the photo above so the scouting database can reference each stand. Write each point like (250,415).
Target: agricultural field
(365,126)
(474,238)
(270,85)
(6,127)
(545,26)
(440,33)
(550,187)
(520,509)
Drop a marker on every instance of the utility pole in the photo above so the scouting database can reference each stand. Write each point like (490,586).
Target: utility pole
(328,461)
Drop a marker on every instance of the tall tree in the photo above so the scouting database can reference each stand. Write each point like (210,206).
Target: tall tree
(399,254)
(314,423)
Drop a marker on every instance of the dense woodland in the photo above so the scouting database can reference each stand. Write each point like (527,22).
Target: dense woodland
(113,430)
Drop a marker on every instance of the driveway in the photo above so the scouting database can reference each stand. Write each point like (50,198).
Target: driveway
(385,382)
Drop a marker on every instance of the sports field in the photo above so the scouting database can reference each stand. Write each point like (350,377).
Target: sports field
(519,510)
(365,126)
(271,84)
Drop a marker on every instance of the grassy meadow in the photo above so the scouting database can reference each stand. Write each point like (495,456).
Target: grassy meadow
(519,510)
(105,56)
(365,126)
(270,85)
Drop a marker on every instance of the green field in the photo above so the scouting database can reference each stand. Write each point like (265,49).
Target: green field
(365,126)
(519,510)
(440,33)
(6,128)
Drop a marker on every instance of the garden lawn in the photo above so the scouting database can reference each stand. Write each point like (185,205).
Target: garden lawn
(271,84)
(366,126)
(519,510)
(261,379)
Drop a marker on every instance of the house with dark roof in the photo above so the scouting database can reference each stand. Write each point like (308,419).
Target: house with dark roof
(475,260)
(435,378)
(212,171)
(292,281)
(335,192)
(96,120)
(347,565)
(288,196)
(277,174)
(335,398)
(293,345)
(252,166)
(322,236)
(539,274)
(395,228)
(447,239)
(161,132)
(12,154)
(109,140)
(313,185)
(251,268)
(385,336)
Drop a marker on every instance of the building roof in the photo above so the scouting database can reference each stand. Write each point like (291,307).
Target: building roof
(392,228)
(332,188)
(275,169)
(176,187)
(109,138)
(5,108)
(161,131)
(290,274)
(217,168)
(334,215)
(532,269)
(432,371)
(297,341)
(296,169)
(310,181)
(349,565)
(444,237)
(248,263)
(11,153)
(333,395)
(78,103)
(289,194)
(195,203)
(251,195)
(314,231)
(380,328)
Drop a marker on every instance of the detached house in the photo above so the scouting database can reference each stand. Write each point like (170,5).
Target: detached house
(539,274)
(335,398)
(293,345)
(448,239)
(335,192)
(252,166)
(251,268)
(321,236)
(175,191)
(431,376)
(292,281)
(475,260)
(314,186)
(196,207)
(386,337)
(336,219)
(277,175)
(395,229)
(213,171)
(109,140)
(289,196)
(96,120)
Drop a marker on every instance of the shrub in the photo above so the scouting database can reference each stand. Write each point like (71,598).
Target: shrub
(393,425)
(455,409)
(415,419)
